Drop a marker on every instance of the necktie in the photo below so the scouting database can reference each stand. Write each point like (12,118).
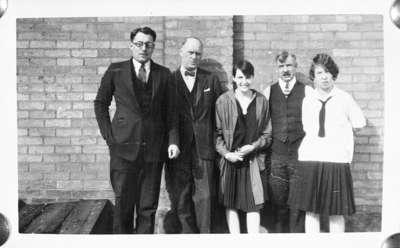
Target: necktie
(286,91)
(321,132)
(190,73)
(142,74)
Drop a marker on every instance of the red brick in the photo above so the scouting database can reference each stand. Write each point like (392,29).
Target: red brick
(29,158)
(96,184)
(70,96)
(30,140)
(57,53)
(43,62)
(58,123)
(70,62)
(31,105)
(58,105)
(42,44)
(68,149)
(41,149)
(84,123)
(55,158)
(68,114)
(69,44)
(83,141)
(74,27)
(30,123)
(87,175)
(95,149)
(69,184)
(22,149)
(56,141)
(83,158)
(41,167)
(84,53)
(22,114)
(67,132)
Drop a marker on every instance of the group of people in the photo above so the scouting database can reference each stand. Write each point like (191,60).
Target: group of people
(290,146)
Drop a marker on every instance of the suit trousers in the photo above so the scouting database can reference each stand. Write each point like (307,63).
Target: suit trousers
(191,186)
(136,186)
(282,170)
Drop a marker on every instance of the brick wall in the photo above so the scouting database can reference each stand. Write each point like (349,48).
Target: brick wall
(61,61)
(356,44)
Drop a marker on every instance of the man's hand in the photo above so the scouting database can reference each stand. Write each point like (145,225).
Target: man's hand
(173,151)
(233,157)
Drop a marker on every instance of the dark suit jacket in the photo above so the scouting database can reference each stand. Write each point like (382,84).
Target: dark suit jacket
(198,122)
(124,133)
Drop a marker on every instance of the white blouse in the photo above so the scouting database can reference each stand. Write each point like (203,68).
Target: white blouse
(342,114)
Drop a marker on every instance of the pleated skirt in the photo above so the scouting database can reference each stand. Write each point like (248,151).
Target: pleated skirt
(323,188)
(238,192)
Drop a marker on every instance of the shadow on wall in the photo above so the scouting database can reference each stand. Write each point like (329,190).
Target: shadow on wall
(215,67)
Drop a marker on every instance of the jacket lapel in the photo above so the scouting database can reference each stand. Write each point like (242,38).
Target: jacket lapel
(259,107)
(182,89)
(127,78)
(154,76)
(201,83)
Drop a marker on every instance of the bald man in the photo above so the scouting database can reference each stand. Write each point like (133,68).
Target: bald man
(190,177)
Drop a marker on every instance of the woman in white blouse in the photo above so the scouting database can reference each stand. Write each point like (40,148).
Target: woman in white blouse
(323,183)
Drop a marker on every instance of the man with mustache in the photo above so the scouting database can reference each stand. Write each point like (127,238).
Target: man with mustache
(285,99)
(190,178)
(144,125)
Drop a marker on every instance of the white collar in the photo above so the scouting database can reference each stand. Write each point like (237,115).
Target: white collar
(137,65)
(183,72)
(332,93)
(291,83)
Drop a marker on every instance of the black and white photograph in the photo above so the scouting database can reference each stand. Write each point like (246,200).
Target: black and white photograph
(279,123)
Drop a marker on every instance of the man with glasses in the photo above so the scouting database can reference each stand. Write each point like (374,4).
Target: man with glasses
(285,99)
(190,178)
(143,126)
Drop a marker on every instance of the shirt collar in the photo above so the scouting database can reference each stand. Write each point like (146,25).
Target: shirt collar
(137,65)
(182,70)
(282,83)
(333,92)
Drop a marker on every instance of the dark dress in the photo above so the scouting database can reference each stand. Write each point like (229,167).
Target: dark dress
(238,193)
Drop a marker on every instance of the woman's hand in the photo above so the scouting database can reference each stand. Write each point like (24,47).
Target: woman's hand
(246,149)
(233,157)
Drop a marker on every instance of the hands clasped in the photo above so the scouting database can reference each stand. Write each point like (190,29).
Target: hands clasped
(239,154)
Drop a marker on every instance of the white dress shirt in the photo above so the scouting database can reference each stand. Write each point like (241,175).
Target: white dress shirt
(267,91)
(137,66)
(342,114)
(189,81)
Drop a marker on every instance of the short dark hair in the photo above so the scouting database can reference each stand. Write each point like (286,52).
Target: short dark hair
(145,30)
(245,67)
(326,61)
(282,57)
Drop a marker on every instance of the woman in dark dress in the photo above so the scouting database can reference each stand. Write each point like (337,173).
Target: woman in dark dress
(243,131)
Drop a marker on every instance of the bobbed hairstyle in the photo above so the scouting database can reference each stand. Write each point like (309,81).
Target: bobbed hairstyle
(326,61)
(245,67)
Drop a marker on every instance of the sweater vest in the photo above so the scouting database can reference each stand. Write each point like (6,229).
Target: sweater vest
(286,112)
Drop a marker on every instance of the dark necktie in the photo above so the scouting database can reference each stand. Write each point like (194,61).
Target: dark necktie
(190,73)
(142,74)
(286,91)
(321,132)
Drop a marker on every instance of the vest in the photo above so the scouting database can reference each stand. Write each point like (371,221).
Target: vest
(143,92)
(286,112)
